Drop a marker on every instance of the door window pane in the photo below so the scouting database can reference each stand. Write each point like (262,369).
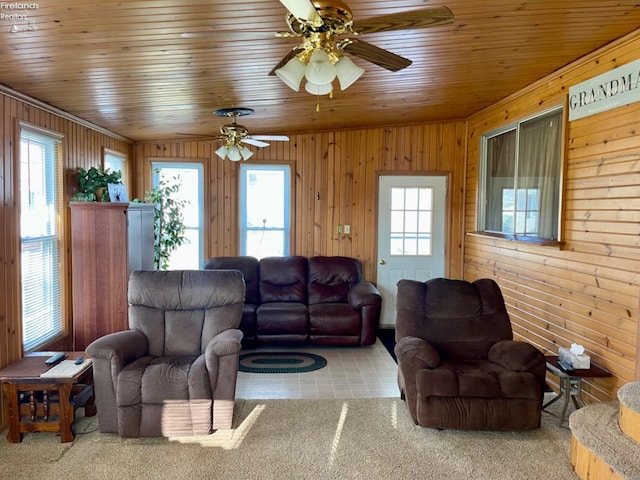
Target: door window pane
(411,221)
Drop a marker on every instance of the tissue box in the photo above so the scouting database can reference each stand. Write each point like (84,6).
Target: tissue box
(576,361)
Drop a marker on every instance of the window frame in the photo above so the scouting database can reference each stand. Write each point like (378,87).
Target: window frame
(288,206)
(482,178)
(59,326)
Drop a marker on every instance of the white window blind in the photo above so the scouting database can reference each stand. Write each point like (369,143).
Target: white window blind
(41,237)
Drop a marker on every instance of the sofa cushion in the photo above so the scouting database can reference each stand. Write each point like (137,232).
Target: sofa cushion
(282,318)
(476,379)
(283,279)
(331,278)
(334,319)
(456,321)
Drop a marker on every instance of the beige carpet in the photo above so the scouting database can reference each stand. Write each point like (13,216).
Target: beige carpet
(300,439)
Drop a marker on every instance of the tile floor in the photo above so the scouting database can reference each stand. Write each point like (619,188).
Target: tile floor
(353,372)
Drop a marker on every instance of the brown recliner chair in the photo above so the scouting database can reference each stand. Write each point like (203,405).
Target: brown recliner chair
(458,366)
(174,372)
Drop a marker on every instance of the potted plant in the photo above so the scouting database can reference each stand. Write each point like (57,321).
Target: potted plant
(93,183)
(168,219)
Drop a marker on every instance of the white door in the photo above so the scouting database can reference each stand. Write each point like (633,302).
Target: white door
(411,234)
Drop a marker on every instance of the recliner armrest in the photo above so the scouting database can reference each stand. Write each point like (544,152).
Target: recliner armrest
(517,356)
(362,294)
(126,346)
(227,342)
(416,353)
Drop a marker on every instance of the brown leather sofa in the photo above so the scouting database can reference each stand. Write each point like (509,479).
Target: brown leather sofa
(297,300)
(458,366)
(174,372)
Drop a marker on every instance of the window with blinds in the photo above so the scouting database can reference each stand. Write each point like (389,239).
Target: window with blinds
(41,236)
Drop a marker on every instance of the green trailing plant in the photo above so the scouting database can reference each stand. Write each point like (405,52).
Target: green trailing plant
(95,179)
(168,231)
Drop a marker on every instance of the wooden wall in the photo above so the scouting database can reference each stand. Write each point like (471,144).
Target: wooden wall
(335,182)
(82,146)
(588,290)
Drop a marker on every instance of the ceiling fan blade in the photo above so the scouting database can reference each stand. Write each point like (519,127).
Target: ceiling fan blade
(377,55)
(303,10)
(427,17)
(273,138)
(252,141)
(285,60)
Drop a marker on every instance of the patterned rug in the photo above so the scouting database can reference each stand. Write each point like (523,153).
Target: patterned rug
(280,362)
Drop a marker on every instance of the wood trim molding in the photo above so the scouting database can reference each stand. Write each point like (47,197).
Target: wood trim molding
(56,111)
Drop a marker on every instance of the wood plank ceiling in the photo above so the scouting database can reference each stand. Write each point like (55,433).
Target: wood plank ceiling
(125,66)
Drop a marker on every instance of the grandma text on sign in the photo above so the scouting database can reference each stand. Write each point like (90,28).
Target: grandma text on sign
(620,86)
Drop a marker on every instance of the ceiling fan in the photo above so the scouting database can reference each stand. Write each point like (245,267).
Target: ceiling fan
(328,31)
(235,135)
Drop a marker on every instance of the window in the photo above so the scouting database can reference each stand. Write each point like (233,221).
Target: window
(521,178)
(41,237)
(114,161)
(264,210)
(411,221)
(190,176)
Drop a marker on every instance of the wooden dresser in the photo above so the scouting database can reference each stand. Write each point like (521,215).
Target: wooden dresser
(108,242)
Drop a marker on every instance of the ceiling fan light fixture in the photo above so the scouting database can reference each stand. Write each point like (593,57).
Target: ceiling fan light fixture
(234,153)
(348,72)
(222,152)
(246,153)
(291,73)
(315,89)
(320,69)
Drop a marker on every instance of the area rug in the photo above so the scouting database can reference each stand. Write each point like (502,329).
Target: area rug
(281,362)
(329,439)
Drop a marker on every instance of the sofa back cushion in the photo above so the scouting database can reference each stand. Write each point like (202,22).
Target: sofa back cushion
(331,278)
(462,320)
(283,279)
(249,266)
(180,311)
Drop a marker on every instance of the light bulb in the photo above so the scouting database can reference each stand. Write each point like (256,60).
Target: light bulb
(222,151)
(315,89)
(246,153)
(234,153)
(320,70)
(348,72)
(291,73)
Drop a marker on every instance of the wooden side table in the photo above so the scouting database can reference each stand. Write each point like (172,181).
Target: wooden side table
(571,383)
(44,404)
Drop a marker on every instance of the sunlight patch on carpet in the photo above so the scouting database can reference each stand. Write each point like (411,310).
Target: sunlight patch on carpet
(336,438)
(226,438)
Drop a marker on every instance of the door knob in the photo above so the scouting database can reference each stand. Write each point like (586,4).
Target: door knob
(382,262)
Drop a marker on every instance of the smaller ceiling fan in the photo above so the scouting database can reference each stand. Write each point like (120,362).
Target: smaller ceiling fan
(235,135)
